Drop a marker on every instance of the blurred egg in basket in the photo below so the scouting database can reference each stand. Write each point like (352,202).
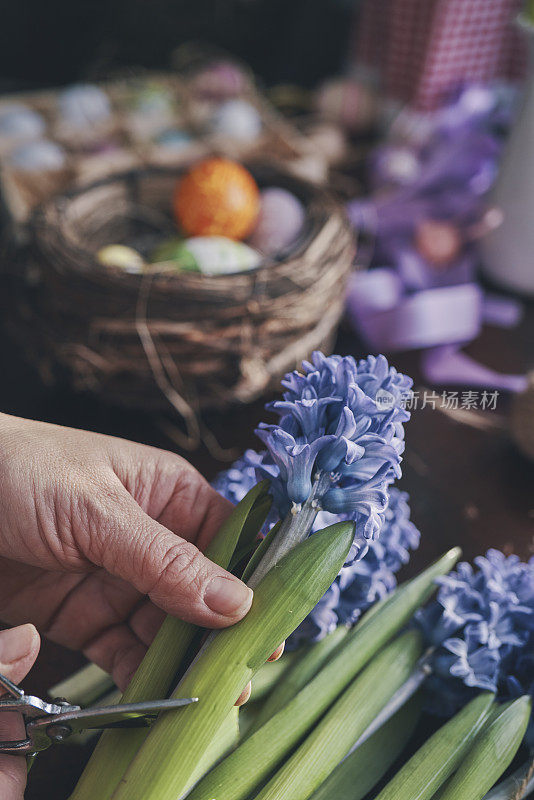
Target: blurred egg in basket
(280,220)
(237,119)
(217,197)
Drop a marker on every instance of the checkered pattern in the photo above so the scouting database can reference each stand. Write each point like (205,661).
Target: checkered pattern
(423,49)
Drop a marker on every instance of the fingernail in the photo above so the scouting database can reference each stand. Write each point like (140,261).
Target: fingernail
(16,643)
(228,596)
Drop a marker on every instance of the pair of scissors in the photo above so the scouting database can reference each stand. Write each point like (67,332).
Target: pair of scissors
(48,723)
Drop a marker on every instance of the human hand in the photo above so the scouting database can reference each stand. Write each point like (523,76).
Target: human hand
(18,650)
(91,525)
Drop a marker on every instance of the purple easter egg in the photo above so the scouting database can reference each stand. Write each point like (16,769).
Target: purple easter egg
(280,220)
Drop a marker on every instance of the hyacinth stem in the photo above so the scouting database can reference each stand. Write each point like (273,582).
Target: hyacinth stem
(348,718)
(299,675)
(491,754)
(426,771)
(168,760)
(257,756)
(399,699)
(294,528)
(361,770)
(85,686)
(153,679)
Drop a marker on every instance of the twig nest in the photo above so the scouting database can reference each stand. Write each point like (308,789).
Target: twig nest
(279,222)
(237,119)
(84,105)
(217,197)
(522,419)
(18,122)
(40,155)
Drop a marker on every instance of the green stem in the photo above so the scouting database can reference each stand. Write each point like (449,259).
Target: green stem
(299,675)
(153,679)
(345,722)
(242,771)
(361,770)
(166,764)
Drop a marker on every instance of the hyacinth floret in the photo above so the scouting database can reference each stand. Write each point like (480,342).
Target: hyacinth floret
(482,626)
(342,418)
(363,582)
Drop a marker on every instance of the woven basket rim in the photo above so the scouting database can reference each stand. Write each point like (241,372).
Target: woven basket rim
(319,204)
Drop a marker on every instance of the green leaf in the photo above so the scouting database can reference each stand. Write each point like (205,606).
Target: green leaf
(363,768)
(516,786)
(348,718)
(270,674)
(299,675)
(165,765)
(491,754)
(153,679)
(437,759)
(242,771)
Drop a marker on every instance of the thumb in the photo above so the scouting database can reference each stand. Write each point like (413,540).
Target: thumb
(172,571)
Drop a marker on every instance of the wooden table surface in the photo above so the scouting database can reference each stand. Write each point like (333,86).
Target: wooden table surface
(468,483)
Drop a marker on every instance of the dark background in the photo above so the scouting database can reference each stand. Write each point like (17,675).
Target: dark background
(60,41)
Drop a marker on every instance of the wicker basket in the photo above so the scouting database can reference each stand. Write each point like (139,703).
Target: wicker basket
(191,340)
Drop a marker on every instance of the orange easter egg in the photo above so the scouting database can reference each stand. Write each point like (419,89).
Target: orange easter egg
(217,197)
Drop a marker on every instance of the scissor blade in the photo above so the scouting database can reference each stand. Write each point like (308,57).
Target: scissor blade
(8,687)
(124,715)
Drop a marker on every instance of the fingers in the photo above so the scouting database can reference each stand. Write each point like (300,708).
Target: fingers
(172,571)
(245,695)
(278,653)
(18,650)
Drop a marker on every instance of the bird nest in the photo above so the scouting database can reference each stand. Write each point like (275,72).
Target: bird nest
(192,340)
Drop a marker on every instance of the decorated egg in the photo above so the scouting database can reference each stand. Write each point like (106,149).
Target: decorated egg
(439,242)
(280,220)
(121,256)
(217,197)
(348,103)
(219,80)
(84,104)
(237,119)
(174,139)
(40,155)
(218,255)
(175,250)
(19,122)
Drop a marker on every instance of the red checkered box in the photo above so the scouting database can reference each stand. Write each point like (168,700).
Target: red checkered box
(421,50)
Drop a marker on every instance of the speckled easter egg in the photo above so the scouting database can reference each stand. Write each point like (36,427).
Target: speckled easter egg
(219,80)
(237,119)
(279,222)
(122,257)
(218,255)
(174,139)
(84,104)
(40,155)
(348,103)
(17,121)
(217,197)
